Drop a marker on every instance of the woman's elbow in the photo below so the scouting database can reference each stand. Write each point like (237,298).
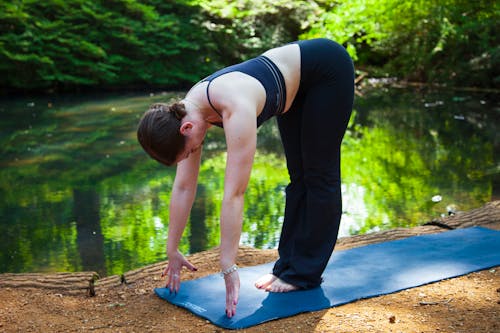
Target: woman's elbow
(235,194)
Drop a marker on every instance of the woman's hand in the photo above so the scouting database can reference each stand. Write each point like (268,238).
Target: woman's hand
(173,270)
(232,292)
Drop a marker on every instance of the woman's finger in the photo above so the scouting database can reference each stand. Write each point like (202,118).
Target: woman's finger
(169,281)
(176,282)
(164,272)
(189,265)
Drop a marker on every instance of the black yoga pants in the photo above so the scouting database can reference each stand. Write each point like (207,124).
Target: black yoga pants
(311,133)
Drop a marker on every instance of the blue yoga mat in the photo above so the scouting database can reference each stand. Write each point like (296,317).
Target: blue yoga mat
(352,274)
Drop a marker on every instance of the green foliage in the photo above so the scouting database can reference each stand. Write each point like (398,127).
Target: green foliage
(123,43)
(249,27)
(450,41)
(100,43)
(350,23)
(74,43)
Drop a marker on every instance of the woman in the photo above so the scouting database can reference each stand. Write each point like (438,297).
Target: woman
(309,86)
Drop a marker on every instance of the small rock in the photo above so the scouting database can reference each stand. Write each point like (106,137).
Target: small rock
(437,198)
(392,319)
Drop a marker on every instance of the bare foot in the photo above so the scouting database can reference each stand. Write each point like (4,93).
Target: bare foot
(280,286)
(265,281)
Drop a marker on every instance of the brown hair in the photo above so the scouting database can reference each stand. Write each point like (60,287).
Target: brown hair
(159,132)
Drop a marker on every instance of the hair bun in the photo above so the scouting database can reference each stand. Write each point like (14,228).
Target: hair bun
(179,110)
(159,107)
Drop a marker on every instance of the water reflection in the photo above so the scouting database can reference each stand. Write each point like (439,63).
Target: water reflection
(77,192)
(198,229)
(89,237)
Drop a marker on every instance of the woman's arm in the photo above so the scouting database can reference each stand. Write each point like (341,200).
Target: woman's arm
(241,138)
(241,141)
(181,201)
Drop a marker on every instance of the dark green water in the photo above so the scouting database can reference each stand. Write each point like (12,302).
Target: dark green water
(77,192)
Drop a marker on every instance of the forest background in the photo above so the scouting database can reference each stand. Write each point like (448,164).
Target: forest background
(72,45)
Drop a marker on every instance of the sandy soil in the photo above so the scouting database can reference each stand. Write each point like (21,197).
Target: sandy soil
(469,303)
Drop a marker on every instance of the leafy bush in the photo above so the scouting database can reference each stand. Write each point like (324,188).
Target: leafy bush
(171,44)
(447,41)
(60,43)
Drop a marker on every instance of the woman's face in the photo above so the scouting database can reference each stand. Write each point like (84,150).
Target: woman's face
(190,148)
(194,142)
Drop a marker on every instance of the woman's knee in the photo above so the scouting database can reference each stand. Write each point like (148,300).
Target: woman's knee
(322,179)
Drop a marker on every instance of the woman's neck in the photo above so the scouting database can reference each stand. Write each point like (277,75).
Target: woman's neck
(196,105)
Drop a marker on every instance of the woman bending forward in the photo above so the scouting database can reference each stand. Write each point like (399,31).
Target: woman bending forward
(309,86)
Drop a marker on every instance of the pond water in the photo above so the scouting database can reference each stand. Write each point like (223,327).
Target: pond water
(78,193)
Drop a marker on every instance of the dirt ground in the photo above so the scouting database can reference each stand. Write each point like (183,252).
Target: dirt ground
(469,303)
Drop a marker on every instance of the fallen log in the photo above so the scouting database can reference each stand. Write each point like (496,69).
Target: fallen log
(68,283)
(485,216)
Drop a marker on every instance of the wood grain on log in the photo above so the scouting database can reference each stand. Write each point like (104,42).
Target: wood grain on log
(63,282)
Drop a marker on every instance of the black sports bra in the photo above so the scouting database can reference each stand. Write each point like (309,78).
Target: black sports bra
(268,74)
